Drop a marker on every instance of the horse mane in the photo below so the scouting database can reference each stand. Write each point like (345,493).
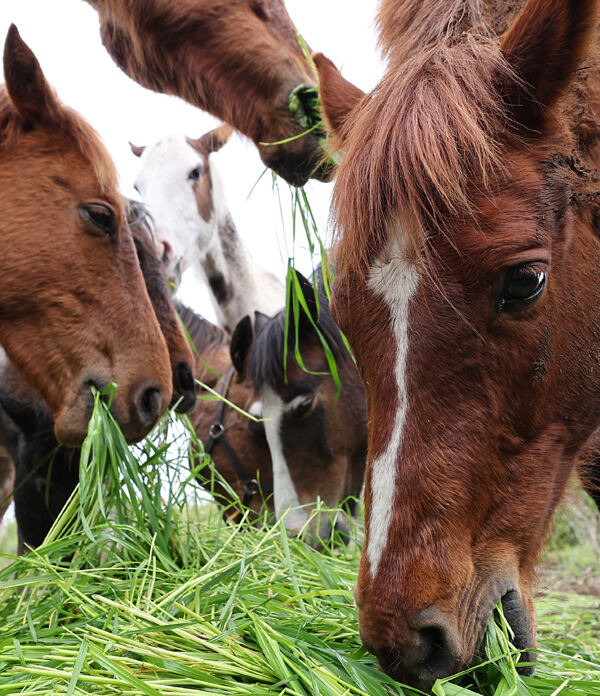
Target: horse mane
(203,334)
(406,26)
(266,363)
(70,126)
(429,130)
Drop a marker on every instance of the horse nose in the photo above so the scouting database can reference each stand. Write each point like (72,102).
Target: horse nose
(426,650)
(184,388)
(148,403)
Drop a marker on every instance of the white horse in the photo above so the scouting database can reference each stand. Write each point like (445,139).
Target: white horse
(180,183)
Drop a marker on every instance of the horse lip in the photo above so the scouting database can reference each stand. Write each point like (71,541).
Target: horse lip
(516,617)
(519,621)
(494,595)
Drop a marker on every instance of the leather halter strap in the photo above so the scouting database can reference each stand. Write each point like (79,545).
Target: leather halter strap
(217,437)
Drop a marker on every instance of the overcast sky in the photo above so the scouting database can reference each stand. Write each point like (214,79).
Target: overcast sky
(64,35)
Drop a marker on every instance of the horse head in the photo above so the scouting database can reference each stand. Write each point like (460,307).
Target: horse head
(316,434)
(468,263)
(180,352)
(239,448)
(73,309)
(180,183)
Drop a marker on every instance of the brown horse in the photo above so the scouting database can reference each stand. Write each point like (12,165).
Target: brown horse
(468,273)
(155,280)
(73,308)
(240,60)
(248,471)
(26,427)
(317,437)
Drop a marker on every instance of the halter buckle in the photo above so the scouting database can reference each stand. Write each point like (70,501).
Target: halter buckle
(251,487)
(216,430)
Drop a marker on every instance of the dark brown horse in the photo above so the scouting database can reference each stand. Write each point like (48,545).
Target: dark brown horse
(250,478)
(155,278)
(317,436)
(468,274)
(240,60)
(73,308)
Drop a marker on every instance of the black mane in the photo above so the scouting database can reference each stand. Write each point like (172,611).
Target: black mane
(266,364)
(204,334)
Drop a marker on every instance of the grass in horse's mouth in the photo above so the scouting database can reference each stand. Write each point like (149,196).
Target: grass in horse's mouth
(516,618)
(305,107)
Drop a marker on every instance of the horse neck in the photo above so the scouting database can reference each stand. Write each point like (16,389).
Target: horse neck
(237,285)
(212,364)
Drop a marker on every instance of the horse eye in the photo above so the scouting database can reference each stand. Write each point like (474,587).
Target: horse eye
(522,285)
(102,217)
(303,404)
(195,174)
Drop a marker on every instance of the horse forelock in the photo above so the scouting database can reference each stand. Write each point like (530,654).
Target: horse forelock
(73,129)
(427,135)
(268,358)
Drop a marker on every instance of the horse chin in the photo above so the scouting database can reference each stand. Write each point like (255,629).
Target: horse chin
(296,161)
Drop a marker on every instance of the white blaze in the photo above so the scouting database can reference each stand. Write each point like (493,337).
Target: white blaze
(284,491)
(395,280)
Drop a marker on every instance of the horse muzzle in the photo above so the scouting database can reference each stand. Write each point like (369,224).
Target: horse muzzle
(419,646)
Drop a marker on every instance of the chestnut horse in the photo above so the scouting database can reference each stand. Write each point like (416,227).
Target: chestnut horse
(73,308)
(26,427)
(468,273)
(317,436)
(239,60)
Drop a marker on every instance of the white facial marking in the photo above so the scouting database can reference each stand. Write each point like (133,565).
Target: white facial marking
(165,187)
(284,491)
(394,279)
(256,409)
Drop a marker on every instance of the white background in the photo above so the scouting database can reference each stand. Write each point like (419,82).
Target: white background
(64,35)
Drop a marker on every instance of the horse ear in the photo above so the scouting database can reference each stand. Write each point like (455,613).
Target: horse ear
(31,95)
(26,417)
(241,342)
(309,296)
(137,149)
(543,47)
(338,96)
(213,140)
(260,319)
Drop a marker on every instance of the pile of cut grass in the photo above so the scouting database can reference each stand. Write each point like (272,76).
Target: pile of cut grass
(142,590)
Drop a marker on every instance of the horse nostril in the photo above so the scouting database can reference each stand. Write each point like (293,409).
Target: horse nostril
(439,658)
(184,378)
(184,393)
(422,652)
(148,403)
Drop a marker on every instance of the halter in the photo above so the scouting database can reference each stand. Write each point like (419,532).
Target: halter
(216,434)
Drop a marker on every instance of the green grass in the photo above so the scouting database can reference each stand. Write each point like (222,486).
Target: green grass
(141,588)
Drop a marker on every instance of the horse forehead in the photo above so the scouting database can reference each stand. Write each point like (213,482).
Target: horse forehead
(168,158)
